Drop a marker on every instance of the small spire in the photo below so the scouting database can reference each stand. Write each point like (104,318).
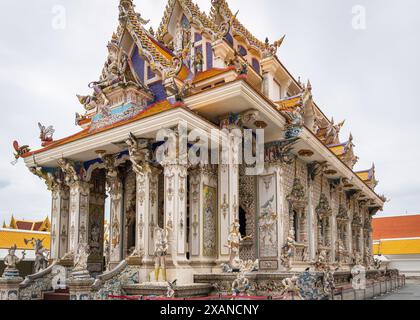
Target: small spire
(4,224)
(309,85)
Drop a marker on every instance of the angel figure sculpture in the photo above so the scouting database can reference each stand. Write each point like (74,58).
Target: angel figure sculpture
(46,134)
(161,251)
(234,241)
(19,151)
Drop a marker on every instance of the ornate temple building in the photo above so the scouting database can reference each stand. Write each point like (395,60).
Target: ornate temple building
(209,72)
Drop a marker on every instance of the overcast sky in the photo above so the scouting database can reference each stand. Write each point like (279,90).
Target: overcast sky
(367,76)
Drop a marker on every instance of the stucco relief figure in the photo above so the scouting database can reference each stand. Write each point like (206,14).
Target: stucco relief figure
(41,254)
(241,285)
(234,241)
(341,253)
(322,261)
(11,261)
(290,286)
(113,73)
(268,222)
(288,250)
(81,257)
(161,251)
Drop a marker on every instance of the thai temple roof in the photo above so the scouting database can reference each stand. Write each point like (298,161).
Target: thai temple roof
(170,77)
(398,235)
(41,226)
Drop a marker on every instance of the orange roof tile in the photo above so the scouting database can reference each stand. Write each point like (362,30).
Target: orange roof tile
(396,227)
(210,73)
(152,110)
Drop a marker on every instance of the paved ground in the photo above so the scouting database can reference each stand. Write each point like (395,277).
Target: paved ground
(410,292)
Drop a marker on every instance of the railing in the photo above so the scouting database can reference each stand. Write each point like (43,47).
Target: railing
(36,284)
(385,286)
(388,285)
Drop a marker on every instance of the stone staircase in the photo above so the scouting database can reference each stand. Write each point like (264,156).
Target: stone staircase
(61,294)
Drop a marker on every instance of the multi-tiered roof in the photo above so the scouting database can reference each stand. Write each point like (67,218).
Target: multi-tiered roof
(193,52)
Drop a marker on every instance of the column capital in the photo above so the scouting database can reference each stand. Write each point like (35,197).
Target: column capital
(72,173)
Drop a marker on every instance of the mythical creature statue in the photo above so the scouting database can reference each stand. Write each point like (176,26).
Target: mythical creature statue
(161,251)
(234,241)
(290,286)
(171,289)
(89,102)
(271,49)
(19,151)
(41,254)
(68,170)
(114,72)
(11,261)
(377,263)
(322,261)
(48,177)
(139,154)
(294,122)
(46,134)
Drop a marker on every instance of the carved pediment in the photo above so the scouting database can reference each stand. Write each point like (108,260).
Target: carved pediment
(342,216)
(323,208)
(297,197)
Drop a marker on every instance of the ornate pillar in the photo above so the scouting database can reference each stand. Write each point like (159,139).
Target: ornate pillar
(146,213)
(312,221)
(228,185)
(203,217)
(175,188)
(79,214)
(96,222)
(59,220)
(116,189)
(224,220)
(271,220)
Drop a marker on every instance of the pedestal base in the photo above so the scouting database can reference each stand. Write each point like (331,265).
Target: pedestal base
(80,289)
(9,288)
(161,289)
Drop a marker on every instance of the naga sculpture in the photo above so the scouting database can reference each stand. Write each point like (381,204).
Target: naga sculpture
(19,151)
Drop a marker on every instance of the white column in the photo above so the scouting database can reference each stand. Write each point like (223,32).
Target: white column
(176,210)
(203,217)
(79,214)
(116,230)
(312,222)
(282,209)
(59,221)
(146,211)
(224,216)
